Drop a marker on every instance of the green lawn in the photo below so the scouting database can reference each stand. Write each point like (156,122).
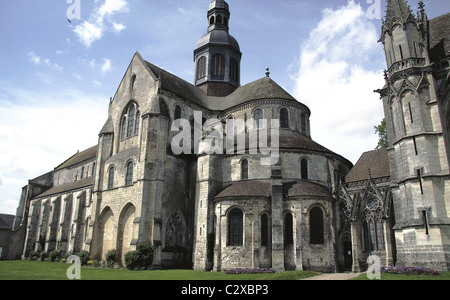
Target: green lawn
(30,270)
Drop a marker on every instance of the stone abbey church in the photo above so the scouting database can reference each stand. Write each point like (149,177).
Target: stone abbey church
(313,210)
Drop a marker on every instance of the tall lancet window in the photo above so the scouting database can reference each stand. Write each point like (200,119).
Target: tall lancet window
(218,65)
(201,67)
(235,227)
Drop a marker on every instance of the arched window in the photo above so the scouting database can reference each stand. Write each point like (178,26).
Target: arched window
(177,114)
(211,20)
(111,177)
(288,230)
(131,119)
(244,169)
(218,65)
(138,122)
(264,230)
(235,227)
(219,19)
(124,128)
(133,82)
(303,123)
(284,118)
(201,67)
(316,232)
(234,69)
(258,115)
(129,175)
(304,168)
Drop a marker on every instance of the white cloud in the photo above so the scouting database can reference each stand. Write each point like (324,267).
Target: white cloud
(106,67)
(339,67)
(88,33)
(100,21)
(118,27)
(37,60)
(39,131)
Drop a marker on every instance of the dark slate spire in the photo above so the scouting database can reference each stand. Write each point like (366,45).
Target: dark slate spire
(397,11)
(217,55)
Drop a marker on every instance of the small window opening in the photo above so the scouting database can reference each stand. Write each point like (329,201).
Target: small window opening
(401,51)
(425,221)
(410,113)
(419,176)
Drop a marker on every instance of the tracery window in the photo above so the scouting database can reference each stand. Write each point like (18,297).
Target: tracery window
(130,122)
(138,122)
(372,226)
(235,227)
(131,119)
(124,128)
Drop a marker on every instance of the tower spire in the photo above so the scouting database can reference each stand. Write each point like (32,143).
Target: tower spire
(397,11)
(217,55)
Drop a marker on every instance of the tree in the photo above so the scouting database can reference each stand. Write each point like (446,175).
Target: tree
(382,133)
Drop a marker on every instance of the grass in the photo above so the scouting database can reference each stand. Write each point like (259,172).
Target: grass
(31,270)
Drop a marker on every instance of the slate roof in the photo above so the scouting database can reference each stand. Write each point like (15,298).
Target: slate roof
(6,221)
(65,188)
(440,37)
(254,188)
(264,88)
(79,157)
(378,163)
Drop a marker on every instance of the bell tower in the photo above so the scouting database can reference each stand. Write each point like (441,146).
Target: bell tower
(417,150)
(217,56)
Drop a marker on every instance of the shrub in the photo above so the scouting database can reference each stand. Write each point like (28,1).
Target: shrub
(145,251)
(140,259)
(55,255)
(132,260)
(84,257)
(43,256)
(33,255)
(110,258)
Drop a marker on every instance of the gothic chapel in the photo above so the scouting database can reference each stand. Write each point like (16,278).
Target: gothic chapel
(312,210)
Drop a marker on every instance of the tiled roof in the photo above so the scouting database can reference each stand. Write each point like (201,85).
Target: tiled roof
(440,37)
(79,157)
(378,163)
(247,188)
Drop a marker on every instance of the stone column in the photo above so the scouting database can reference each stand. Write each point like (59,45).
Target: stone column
(355,247)
(277,219)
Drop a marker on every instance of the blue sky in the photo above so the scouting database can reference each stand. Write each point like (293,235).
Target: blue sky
(56,77)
